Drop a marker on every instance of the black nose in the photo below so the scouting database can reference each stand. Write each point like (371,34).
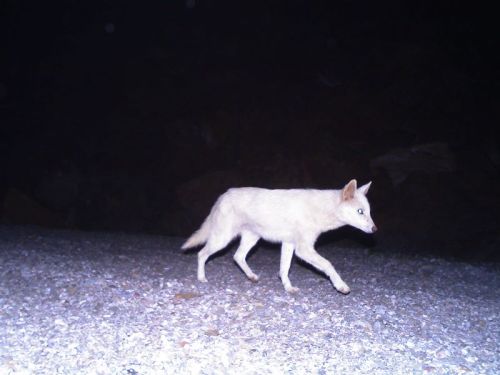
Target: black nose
(374,229)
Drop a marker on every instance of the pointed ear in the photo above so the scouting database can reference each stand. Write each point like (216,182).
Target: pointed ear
(364,189)
(348,190)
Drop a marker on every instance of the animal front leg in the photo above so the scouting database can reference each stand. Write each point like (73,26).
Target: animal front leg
(285,261)
(310,255)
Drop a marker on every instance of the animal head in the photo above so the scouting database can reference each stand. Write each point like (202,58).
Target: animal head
(354,208)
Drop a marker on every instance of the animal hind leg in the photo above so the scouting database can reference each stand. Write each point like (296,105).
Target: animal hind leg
(248,240)
(211,247)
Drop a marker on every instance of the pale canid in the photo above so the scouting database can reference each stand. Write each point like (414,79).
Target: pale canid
(294,217)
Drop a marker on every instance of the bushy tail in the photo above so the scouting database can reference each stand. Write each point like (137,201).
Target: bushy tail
(199,237)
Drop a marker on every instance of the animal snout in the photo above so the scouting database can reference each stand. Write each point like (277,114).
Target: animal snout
(374,228)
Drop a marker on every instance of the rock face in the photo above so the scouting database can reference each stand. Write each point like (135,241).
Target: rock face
(421,197)
(19,208)
(430,158)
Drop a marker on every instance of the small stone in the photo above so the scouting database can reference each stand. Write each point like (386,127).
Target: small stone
(212,332)
(187,295)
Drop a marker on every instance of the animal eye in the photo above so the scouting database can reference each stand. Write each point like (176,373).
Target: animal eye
(360,211)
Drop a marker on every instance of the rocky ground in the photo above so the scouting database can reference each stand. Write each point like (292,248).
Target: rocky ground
(110,303)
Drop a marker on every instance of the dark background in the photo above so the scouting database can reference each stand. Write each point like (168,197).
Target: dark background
(134,116)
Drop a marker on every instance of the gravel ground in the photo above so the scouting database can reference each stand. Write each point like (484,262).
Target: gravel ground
(108,303)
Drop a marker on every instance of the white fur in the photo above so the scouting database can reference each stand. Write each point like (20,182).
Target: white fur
(294,217)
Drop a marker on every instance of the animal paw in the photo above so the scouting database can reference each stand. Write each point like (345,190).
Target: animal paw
(342,287)
(253,278)
(291,289)
(202,279)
